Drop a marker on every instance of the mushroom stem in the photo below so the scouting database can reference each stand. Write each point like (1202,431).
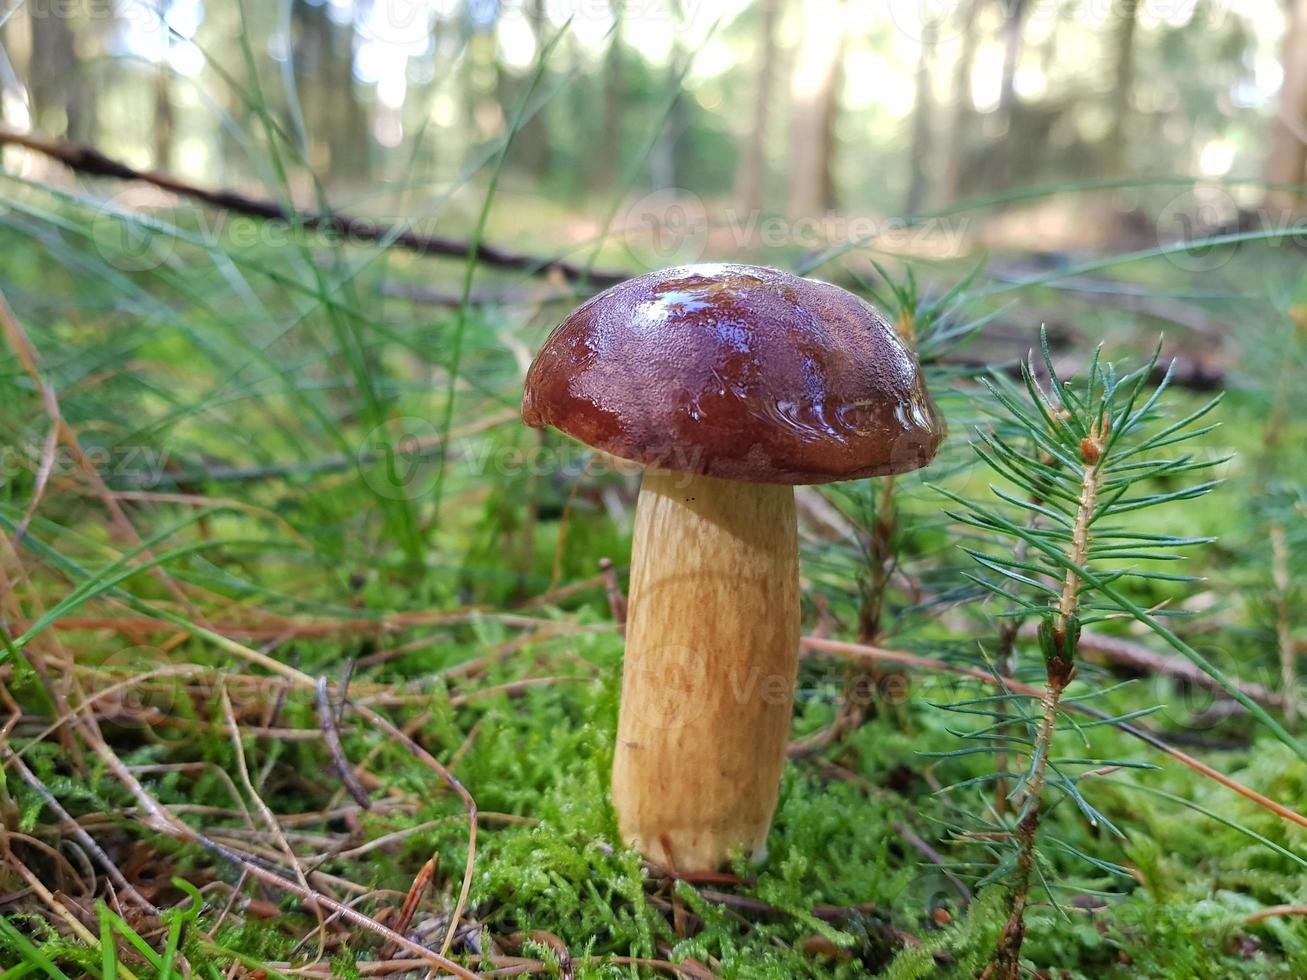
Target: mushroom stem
(711,656)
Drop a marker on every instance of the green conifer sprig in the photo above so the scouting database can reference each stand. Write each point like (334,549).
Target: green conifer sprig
(1039,441)
(1062,543)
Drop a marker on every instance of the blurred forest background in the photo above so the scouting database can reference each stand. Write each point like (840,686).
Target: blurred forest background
(263,476)
(728,109)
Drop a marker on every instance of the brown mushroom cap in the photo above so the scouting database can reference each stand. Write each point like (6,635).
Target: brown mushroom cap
(739,372)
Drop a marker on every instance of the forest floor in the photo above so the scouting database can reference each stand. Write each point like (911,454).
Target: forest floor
(310,668)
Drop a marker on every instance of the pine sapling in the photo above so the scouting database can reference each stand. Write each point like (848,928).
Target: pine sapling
(1057,548)
(1058,636)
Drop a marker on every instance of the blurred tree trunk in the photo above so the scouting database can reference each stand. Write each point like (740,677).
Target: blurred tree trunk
(63,98)
(532,141)
(815,99)
(333,115)
(663,167)
(609,156)
(1286,161)
(6,65)
(959,127)
(751,177)
(1123,80)
(1010,150)
(163,118)
(1013,29)
(922,118)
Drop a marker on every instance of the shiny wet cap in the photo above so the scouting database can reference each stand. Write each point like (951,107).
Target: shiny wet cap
(739,372)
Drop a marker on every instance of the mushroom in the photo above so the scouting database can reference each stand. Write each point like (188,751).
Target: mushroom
(730,384)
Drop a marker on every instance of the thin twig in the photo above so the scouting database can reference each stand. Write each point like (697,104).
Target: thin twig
(327,721)
(1274,911)
(613,589)
(1284,623)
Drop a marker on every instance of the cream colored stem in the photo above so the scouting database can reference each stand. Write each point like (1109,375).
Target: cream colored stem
(711,653)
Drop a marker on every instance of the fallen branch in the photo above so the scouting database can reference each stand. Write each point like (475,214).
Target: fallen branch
(88,160)
(427,296)
(1136,657)
(1190,371)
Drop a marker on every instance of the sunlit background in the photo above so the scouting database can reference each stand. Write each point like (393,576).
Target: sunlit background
(733,111)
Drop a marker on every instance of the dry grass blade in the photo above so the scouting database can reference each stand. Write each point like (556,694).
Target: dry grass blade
(425,876)
(1275,911)
(265,814)
(79,834)
(452,781)
(23,348)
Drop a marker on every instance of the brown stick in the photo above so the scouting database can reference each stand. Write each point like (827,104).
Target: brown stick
(616,600)
(1140,658)
(1273,911)
(523,297)
(424,878)
(90,161)
(327,721)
